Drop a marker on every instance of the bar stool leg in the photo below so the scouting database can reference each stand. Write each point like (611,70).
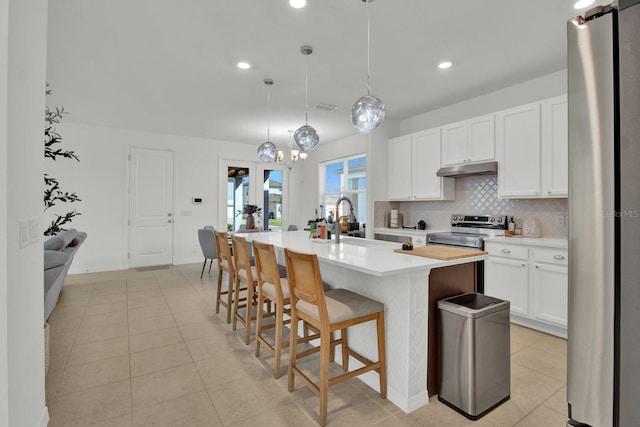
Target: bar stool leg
(278,341)
(345,346)
(229,297)
(293,350)
(325,354)
(382,372)
(259,322)
(236,293)
(219,291)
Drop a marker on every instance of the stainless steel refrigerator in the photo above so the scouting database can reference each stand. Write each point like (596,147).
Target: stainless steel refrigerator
(603,357)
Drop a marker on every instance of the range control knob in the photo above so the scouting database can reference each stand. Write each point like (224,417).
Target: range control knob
(491,219)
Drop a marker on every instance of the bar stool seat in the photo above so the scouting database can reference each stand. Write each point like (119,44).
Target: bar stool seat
(328,312)
(342,305)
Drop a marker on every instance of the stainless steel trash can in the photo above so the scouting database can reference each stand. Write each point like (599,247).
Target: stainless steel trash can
(474,372)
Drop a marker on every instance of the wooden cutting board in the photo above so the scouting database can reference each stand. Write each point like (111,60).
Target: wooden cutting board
(442,252)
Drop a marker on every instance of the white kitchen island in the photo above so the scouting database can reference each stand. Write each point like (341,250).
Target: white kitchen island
(401,282)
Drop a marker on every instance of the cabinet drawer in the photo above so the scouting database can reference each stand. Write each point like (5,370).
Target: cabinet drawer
(551,256)
(507,251)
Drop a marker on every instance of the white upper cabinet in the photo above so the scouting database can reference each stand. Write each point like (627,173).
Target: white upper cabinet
(518,137)
(531,142)
(399,168)
(468,141)
(555,150)
(413,162)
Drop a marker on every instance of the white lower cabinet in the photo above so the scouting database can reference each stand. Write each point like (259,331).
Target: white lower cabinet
(508,280)
(534,280)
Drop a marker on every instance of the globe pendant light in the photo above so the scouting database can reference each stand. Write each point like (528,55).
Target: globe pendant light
(267,151)
(306,136)
(367,113)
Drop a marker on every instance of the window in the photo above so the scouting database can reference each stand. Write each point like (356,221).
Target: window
(344,177)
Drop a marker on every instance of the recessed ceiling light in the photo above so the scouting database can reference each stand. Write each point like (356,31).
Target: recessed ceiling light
(244,65)
(581,4)
(444,65)
(298,3)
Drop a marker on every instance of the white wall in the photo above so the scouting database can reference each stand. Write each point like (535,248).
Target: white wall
(548,86)
(101,176)
(374,145)
(4,364)
(23,26)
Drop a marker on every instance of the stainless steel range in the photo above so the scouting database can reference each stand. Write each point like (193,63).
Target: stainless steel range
(469,231)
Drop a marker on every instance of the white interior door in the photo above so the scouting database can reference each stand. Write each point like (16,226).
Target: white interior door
(150,207)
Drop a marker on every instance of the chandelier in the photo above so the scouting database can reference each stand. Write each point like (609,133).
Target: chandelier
(292,155)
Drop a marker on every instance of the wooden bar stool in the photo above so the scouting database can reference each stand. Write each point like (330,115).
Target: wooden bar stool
(225,263)
(246,280)
(329,311)
(271,288)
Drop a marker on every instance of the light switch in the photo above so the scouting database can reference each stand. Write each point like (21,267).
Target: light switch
(34,232)
(24,234)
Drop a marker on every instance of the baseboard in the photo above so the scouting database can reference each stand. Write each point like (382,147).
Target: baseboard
(83,270)
(44,417)
(189,261)
(539,326)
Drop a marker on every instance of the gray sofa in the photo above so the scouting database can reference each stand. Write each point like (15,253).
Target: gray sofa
(59,251)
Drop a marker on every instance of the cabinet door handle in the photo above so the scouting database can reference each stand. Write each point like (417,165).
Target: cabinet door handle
(505,251)
(524,265)
(537,266)
(558,257)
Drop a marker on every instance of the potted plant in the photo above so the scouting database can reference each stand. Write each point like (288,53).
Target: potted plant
(249,210)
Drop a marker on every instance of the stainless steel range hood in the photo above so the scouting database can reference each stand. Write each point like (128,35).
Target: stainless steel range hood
(485,168)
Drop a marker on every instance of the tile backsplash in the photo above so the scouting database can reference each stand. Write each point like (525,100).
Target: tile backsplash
(479,195)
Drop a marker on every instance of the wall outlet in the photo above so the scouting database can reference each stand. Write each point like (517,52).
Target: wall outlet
(560,220)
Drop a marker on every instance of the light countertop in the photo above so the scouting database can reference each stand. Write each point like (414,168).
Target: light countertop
(372,257)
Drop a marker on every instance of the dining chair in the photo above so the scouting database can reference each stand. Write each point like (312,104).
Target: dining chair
(246,280)
(329,312)
(207,240)
(225,264)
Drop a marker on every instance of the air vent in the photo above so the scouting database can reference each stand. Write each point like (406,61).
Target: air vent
(326,107)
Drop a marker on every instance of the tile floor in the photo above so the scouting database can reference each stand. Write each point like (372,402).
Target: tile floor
(131,348)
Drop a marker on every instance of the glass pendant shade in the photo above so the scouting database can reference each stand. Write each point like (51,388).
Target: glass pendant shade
(367,113)
(306,138)
(268,152)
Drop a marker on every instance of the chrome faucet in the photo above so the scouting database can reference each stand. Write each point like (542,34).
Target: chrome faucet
(352,217)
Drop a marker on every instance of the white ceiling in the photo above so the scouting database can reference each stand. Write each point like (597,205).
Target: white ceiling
(170,66)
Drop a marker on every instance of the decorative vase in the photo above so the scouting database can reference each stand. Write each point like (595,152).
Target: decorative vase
(251,223)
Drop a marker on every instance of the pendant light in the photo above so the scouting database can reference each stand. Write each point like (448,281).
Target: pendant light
(267,151)
(367,113)
(306,136)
